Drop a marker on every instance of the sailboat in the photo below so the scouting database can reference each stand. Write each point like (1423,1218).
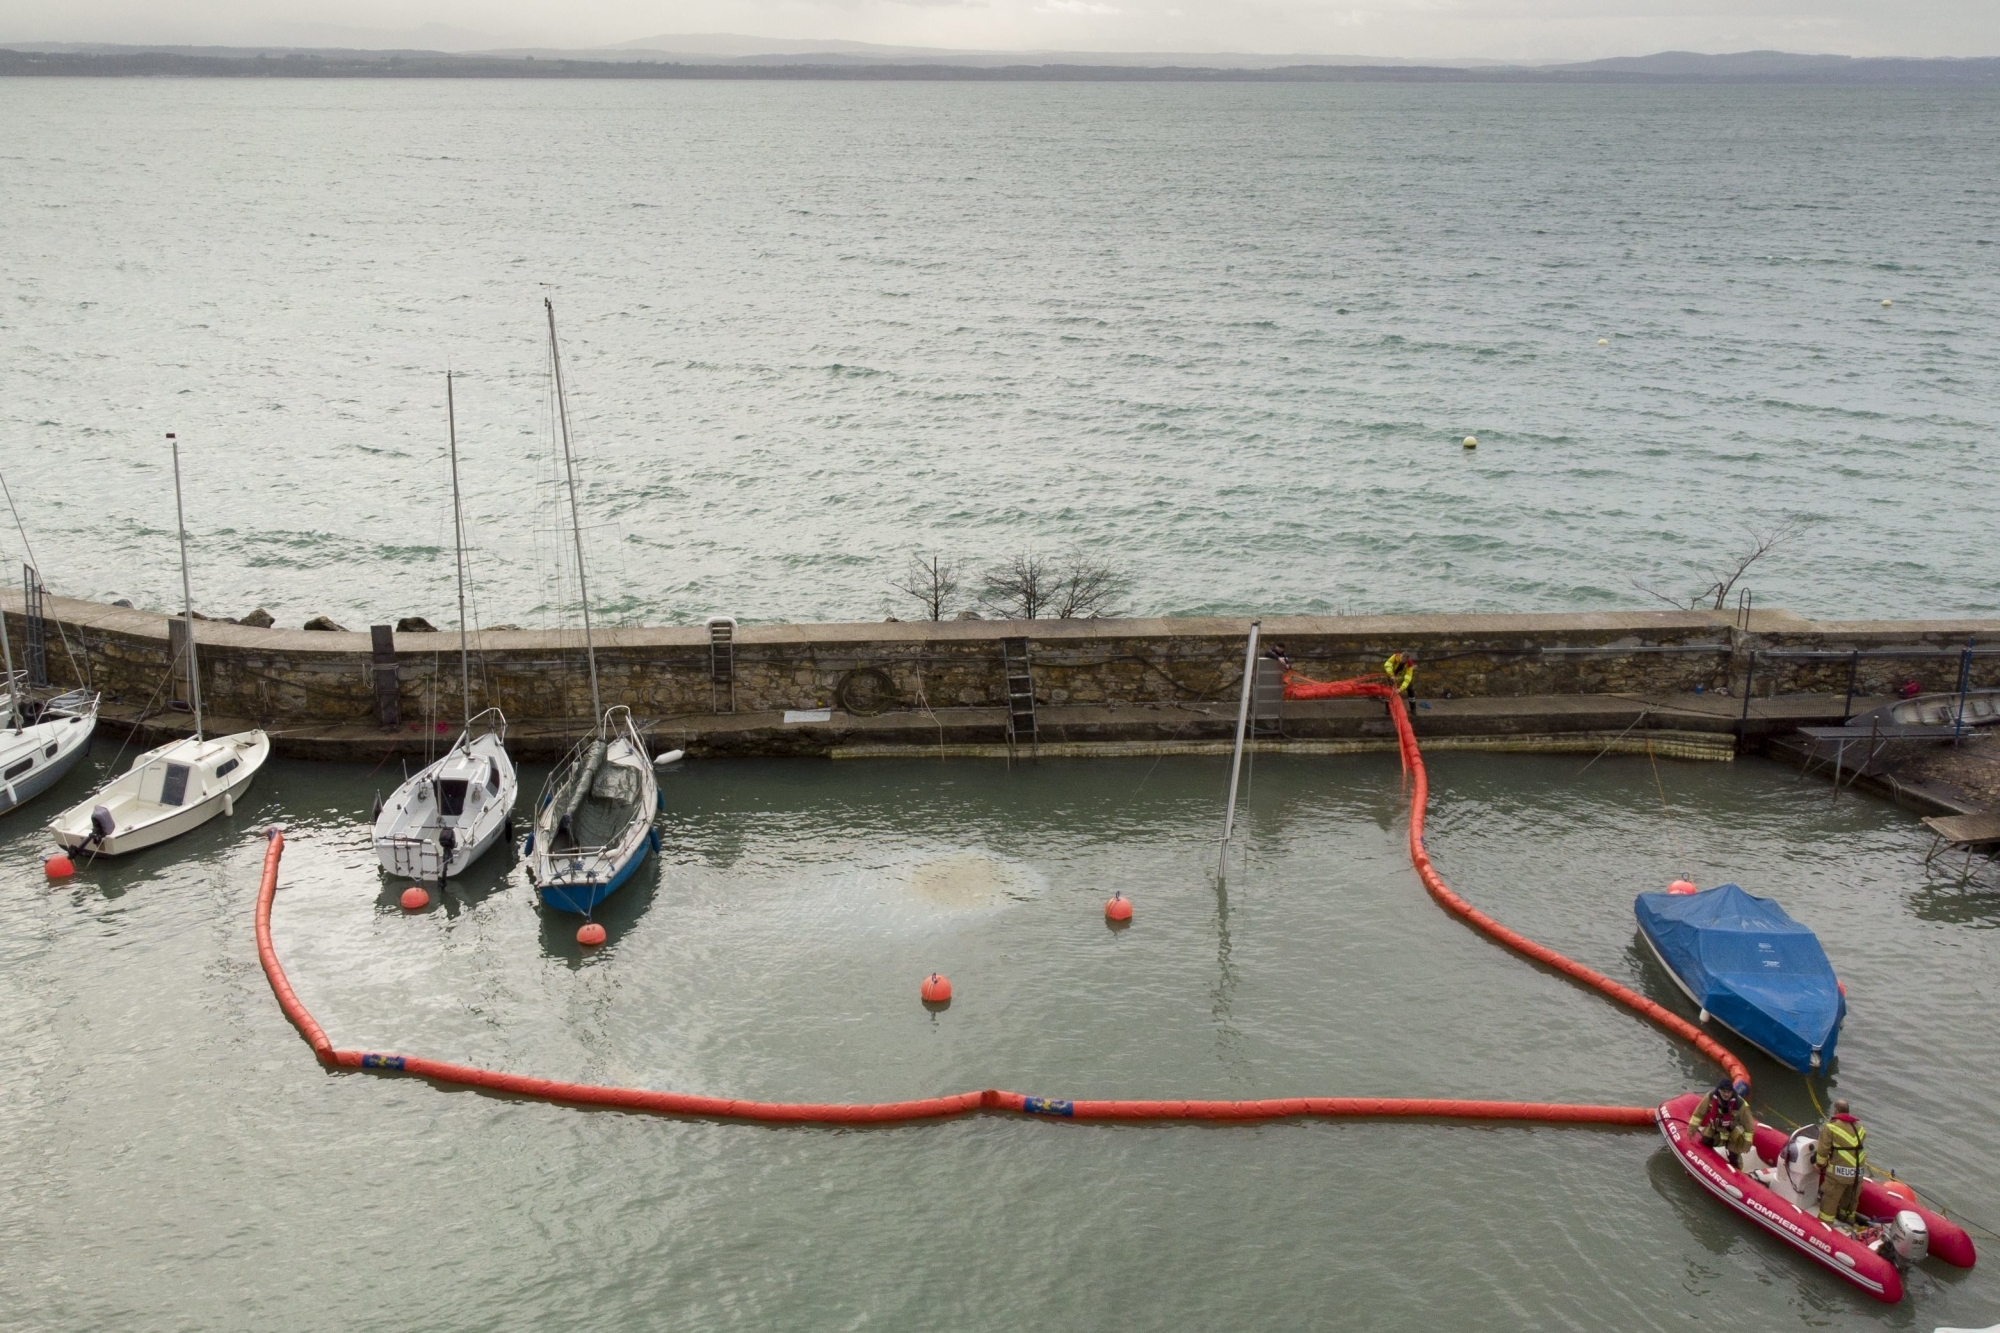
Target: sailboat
(180,785)
(444,818)
(35,755)
(594,821)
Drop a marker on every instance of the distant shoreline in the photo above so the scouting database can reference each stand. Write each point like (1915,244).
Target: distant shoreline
(1886,72)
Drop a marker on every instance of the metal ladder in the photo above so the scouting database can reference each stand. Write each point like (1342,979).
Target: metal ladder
(37,635)
(1267,699)
(722,663)
(1020,698)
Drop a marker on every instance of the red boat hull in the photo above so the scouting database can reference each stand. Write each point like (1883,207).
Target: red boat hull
(1804,1231)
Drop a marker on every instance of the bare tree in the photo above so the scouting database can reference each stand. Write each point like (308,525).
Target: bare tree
(1031,586)
(1716,594)
(932,580)
(1086,589)
(1019,589)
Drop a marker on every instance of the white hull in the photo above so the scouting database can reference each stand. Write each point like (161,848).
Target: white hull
(409,828)
(142,802)
(34,759)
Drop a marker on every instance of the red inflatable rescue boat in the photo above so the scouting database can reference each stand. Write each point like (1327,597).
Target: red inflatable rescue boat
(1779,1191)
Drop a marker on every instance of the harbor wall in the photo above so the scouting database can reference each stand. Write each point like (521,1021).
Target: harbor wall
(288,678)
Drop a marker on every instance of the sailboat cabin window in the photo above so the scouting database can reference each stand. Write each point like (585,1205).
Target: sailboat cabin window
(493,778)
(50,752)
(18,769)
(224,769)
(174,790)
(451,796)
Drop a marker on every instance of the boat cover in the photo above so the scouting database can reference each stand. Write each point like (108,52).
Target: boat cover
(1749,965)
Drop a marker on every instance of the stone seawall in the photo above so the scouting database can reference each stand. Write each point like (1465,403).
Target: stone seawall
(289,680)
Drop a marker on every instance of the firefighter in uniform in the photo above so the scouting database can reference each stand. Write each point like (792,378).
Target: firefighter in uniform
(1401,669)
(1722,1119)
(1841,1159)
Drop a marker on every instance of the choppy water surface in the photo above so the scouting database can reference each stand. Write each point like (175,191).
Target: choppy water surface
(171,1157)
(1228,338)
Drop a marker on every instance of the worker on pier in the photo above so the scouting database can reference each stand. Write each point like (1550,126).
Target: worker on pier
(1722,1119)
(1401,669)
(1841,1158)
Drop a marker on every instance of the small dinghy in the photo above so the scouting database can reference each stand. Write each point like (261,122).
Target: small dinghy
(445,817)
(1779,1191)
(34,756)
(179,786)
(1751,968)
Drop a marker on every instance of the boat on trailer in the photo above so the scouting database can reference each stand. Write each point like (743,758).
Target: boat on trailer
(446,816)
(1778,1189)
(594,821)
(1750,967)
(178,786)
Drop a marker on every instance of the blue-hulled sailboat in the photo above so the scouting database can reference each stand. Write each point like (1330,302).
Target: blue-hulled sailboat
(594,822)
(1751,968)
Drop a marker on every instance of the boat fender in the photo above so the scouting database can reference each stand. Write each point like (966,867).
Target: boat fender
(528,847)
(653,839)
(228,803)
(660,800)
(1703,1018)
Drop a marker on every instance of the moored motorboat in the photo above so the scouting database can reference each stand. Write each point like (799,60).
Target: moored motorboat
(35,756)
(1779,1191)
(1751,968)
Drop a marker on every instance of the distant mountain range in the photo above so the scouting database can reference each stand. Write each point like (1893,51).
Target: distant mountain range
(729,56)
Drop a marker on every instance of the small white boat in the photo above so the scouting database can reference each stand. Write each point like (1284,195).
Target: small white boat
(168,791)
(34,757)
(448,815)
(180,785)
(445,817)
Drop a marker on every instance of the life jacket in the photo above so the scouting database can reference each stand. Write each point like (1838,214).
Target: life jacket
(1721,1111)
(1845,1154)
(1399,670)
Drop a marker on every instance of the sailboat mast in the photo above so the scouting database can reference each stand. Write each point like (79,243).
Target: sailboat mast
(7,662)
(575,522)
(187,589)
(458,551)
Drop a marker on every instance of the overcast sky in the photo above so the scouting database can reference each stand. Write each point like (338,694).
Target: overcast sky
(1501,29)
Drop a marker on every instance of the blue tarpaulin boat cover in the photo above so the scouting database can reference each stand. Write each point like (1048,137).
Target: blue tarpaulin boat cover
(1753,968)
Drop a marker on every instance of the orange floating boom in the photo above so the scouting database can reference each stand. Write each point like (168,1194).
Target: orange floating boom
(991,1099)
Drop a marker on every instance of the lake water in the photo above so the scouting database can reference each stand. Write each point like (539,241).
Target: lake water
(172,1158)
(1226,339)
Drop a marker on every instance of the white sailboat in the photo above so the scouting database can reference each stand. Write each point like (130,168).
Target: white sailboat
(34,756)
(594,821)
(445,817)
(178,786)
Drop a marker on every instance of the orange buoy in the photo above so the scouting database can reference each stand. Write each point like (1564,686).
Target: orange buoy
(1118,908)
(415,899)
(590,934)
(1840,986)
(58,867)
(1682,886)
(936,989)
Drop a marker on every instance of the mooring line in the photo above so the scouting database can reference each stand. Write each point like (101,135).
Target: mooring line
(996,1100)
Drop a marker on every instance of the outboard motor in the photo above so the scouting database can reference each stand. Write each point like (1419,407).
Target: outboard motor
(1906,1241)
(102,825)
